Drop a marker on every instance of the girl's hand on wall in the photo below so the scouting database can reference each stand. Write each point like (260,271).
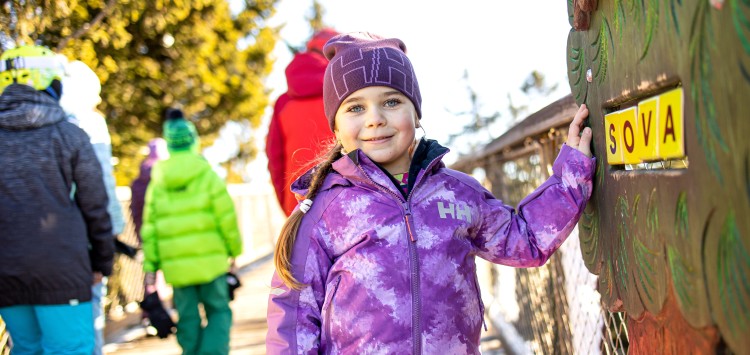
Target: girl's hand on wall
(576,139)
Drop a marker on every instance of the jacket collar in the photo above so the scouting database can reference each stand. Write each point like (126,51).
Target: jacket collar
(359,169)
(22,107)
(356,168)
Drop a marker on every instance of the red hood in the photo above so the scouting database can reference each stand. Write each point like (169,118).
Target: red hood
(304,75)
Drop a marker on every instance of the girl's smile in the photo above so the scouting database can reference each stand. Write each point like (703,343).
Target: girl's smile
(376,140)
(381,121)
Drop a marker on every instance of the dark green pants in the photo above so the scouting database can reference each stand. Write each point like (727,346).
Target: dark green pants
(193,337)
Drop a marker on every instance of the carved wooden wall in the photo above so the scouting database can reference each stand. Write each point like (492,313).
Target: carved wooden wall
(671,246)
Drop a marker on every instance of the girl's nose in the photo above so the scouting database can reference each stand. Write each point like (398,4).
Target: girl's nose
(374,118)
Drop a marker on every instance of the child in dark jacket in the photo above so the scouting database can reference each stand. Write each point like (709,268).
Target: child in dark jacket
(56,238)
(379,257)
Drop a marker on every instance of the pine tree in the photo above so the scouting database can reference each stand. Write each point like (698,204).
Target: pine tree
(152,54)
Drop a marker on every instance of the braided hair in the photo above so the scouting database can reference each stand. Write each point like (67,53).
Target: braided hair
(285,245)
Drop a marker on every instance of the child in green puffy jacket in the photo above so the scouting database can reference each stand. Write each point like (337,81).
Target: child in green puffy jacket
(190,232)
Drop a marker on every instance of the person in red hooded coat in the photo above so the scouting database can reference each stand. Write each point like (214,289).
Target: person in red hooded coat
(299,130)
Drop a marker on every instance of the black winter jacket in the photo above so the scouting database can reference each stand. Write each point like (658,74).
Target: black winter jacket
(54,225)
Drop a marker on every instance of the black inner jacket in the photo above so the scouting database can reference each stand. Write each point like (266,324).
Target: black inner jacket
(427,151)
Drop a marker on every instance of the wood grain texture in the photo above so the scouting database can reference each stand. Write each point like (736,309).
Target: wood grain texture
(646,232)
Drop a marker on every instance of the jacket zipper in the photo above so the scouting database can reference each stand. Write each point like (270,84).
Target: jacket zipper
(414,259)
(413,256)
(415,290)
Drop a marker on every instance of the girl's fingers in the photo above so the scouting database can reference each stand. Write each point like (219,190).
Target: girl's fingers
(573,141)
(584,145)
(575,127)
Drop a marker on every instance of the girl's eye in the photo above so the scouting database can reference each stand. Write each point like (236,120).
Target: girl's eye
(392,102)
(355,108)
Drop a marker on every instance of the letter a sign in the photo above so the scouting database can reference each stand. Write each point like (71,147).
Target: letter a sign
(651,131)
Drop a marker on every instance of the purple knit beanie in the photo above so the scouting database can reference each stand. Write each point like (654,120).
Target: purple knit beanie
(361,59)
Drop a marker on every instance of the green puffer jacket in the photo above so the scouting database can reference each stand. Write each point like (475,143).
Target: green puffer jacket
(189,223)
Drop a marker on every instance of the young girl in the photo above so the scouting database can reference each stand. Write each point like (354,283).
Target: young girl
(379,256)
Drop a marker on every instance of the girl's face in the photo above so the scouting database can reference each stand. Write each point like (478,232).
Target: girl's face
(382,122)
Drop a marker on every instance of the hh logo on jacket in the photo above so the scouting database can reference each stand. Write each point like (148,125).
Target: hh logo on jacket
(454,211)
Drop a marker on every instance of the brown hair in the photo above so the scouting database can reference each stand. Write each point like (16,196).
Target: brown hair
(285,245)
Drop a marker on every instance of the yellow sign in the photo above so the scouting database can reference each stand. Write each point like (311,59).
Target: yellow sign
(653,130)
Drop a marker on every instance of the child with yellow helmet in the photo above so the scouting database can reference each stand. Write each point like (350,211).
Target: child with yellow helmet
(35,66)
(57,233)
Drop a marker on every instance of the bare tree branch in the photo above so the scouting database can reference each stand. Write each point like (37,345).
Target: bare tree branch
(87,26)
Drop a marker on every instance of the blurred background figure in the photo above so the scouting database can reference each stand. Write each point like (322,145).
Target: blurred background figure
(79,100)
(299,131)
(190,232)
(157,150)
(56,232)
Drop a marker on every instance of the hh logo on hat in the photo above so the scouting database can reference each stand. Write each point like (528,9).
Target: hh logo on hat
(380,66)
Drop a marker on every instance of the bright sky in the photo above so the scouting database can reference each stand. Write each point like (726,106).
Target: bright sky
(498,43)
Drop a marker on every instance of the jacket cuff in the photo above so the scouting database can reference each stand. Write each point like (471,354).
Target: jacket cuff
(574,158)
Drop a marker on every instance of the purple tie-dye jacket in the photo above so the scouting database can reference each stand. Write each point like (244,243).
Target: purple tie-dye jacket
(387,275)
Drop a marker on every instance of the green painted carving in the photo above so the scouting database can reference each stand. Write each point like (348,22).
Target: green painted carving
(607,289)
(650,259)
(741,23)
(649,13)
(734,278)
(683,268)
(682,233)
(619,18)
(580,84)
(742,27)
(681,217)
(682,273)
(570,12)
(652,21)
(652,221)
(601,49)
(621,265)
(647,282)
(700,54)
(673,13)
(685,262)
(634,262)
(588,234)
